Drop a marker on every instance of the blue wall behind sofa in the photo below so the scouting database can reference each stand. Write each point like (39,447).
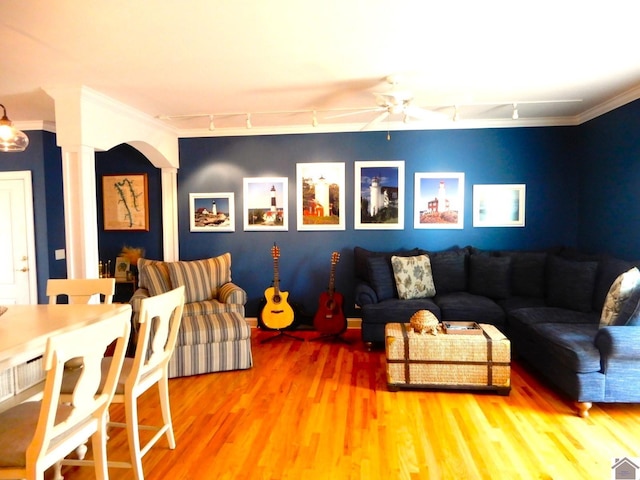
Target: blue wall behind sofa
(537,157)
(609,169)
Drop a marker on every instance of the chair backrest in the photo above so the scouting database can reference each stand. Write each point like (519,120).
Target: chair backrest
(67,422)
(80,290)
(159,322)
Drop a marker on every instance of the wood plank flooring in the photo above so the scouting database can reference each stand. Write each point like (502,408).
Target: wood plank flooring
(321,410)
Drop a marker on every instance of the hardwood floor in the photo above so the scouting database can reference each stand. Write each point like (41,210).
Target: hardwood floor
(321,410)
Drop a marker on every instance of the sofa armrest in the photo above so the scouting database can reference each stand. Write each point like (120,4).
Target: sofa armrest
(232,293)
(618,343)
(365,294)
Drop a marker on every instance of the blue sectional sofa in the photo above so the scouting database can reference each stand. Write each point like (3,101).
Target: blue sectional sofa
(551,305)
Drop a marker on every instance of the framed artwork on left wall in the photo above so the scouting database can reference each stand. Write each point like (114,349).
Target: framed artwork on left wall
(125,202)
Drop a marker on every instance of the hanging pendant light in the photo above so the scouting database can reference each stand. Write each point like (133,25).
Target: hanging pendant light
(11,139)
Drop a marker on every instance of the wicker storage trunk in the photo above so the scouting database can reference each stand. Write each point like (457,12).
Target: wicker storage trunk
(448,361)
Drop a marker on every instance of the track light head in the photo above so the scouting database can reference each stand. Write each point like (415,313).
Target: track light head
(515,115)
(249,125)
(212,126)
(314,120)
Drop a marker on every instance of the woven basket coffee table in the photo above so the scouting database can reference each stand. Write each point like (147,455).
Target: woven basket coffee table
(461,361)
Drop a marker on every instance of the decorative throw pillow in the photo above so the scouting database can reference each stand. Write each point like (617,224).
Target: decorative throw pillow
(413,277)
(490,276)
(622,298)
(570,284)
(527,273)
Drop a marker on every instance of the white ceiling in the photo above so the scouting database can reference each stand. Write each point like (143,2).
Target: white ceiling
(221,57)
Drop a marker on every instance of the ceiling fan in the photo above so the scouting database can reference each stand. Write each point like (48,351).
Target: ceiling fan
(394,102)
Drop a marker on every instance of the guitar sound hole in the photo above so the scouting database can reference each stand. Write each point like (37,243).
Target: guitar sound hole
(276,299)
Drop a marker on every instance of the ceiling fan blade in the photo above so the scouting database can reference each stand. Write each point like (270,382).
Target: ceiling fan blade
(423,114)
(355,112)
(376,120)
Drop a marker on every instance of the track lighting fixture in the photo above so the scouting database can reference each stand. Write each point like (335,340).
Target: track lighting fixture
(515,114)
(212,126)
(456,115)
(249,125)
(314,120)
(11,139)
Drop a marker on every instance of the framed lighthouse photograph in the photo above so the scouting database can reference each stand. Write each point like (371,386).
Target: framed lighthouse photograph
(320,196)
(439,200)
(379,195)
(212,212)
(265,204)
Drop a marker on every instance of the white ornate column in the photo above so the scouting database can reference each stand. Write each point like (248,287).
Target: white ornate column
(80,211)
(169,177)
(88,121)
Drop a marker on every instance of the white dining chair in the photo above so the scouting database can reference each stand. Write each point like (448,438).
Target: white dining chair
(81,290)
(159,322)
(34,435)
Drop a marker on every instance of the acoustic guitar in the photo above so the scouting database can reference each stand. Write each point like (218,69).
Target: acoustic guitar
(329,319)
(276,313)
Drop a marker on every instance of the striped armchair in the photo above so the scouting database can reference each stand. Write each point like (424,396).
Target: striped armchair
(214,335)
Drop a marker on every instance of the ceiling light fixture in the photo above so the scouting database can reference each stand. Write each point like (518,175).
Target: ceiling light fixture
(456,114)
(212,126)
(249,125)
(515,114)
(11,139)
(314,120)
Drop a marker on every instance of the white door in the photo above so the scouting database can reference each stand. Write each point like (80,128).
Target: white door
(18,283)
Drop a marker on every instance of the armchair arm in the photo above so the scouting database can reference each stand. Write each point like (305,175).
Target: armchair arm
(138,296)
(365,294)
(618,343)
(232,293)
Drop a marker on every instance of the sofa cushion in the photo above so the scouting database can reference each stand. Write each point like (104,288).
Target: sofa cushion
(362,255)
(201,278)
(570,284)
(527,273)
(572,345)
(381,278)
(154,276)
(396,310)
(413,277)
(469,307)
(622,298)
(449,270)
(530,316)
(490,276)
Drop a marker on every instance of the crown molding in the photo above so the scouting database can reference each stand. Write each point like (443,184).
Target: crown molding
(606,107)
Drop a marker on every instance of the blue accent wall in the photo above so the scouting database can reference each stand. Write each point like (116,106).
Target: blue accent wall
(609,171)
(537,157)
(119,160)
(581,191)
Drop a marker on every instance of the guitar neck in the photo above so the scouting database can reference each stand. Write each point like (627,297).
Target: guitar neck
(276,277)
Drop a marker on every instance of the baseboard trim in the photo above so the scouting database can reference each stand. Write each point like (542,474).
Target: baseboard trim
(351,322)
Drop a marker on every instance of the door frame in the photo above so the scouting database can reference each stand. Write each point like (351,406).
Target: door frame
(25,176)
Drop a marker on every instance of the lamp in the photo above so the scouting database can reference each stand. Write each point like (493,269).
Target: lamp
(11,139)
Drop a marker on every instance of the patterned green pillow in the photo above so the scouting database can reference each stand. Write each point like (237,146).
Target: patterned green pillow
(413,277)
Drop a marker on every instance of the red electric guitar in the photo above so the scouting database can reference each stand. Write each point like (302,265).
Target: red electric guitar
(329,320)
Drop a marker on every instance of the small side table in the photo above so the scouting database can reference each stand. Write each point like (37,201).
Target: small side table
(125,289)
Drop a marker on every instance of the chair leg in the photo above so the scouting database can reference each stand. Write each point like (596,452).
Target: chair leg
(131,415)
(163,390)
(99,445)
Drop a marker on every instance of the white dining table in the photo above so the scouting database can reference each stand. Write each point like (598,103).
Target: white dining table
(24,329)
